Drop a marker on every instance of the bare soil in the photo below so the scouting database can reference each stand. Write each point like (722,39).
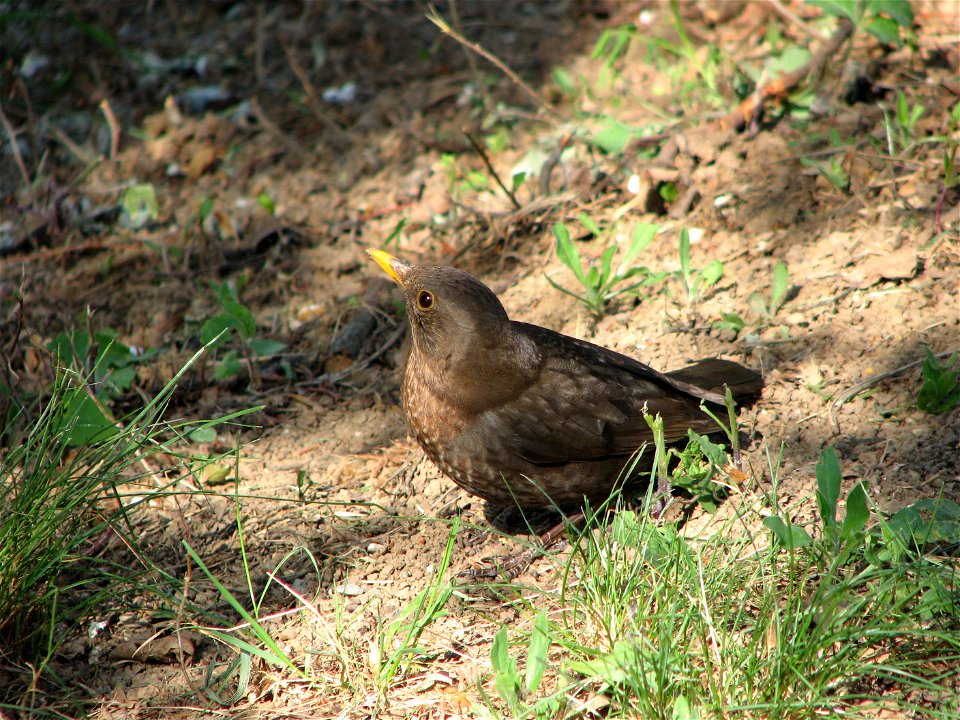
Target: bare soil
(326,465)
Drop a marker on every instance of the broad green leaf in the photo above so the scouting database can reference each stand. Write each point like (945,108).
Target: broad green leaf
(730,321)
(139,206)
(757,304)
(67,345)
(562,289)
(202,435)
(564,81)
(263,347)
(790,536)
(228,367)
(612,136)
(900,10)
(206,207)
(885,30)
(537,652)
(118,380)
(685,255)
(605,261)
(849,9)
(828,485)
(266,202)
(857,513)
(712,273)
(682,710)
(214,326)
(940,392)
(792,58)
(567,251)
(504,668)
(84,422)
(779,289)
(668,191)
(590,225)
(242,317)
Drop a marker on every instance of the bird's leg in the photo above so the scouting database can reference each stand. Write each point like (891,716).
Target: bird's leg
(501,520)
(510,567)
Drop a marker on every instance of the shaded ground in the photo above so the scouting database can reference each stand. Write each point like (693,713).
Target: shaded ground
(329,467)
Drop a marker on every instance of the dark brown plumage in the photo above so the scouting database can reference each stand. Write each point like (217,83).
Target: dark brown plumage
(518,414)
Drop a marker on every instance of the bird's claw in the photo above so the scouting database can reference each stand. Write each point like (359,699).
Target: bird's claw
(503,567)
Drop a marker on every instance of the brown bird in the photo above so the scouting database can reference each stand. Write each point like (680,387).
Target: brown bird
(522,415)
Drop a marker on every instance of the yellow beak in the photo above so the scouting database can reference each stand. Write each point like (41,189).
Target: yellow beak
(396,269)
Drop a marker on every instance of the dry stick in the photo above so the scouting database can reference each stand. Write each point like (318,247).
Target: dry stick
(435,18)
(78,152)
(748,109)
(114,127)
(486,161)
(860,387)
(12,134)
(790,16)
(258,46)
(336,377)
(16,335)
(314,102)
(289,142)
(78,248)
(546,170)
(471,60)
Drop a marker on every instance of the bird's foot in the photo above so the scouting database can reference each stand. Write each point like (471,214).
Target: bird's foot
(474,536)
(501,567)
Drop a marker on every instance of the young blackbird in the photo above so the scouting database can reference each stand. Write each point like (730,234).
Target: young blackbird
(521,415)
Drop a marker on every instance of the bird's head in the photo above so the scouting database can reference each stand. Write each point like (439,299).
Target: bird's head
(450,311)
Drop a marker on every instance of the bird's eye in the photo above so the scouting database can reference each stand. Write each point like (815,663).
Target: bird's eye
(425,300)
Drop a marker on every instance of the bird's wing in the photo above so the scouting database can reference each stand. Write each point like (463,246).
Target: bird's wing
(579,411)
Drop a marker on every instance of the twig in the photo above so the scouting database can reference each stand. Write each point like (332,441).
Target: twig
(791,17)
(435,18)
(844,397)
(77,248)
(258,45)
(750,107)
(114,127)
(471,60)
(313,100)
(486,161)
(78,152)
(546,170)
(293,147)
(16,334)
(336,377)
(11,133)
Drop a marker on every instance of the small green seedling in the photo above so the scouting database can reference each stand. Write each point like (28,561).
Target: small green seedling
(139,207)
(767,308)
(901,130)
(266,202)
(844,536)
(513,688)
(396,235)
(600,282)
(694,281)
(234,316)
(696,470)
(915,529)
(832,171)
(108,366)
(940,392)
(612,45)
